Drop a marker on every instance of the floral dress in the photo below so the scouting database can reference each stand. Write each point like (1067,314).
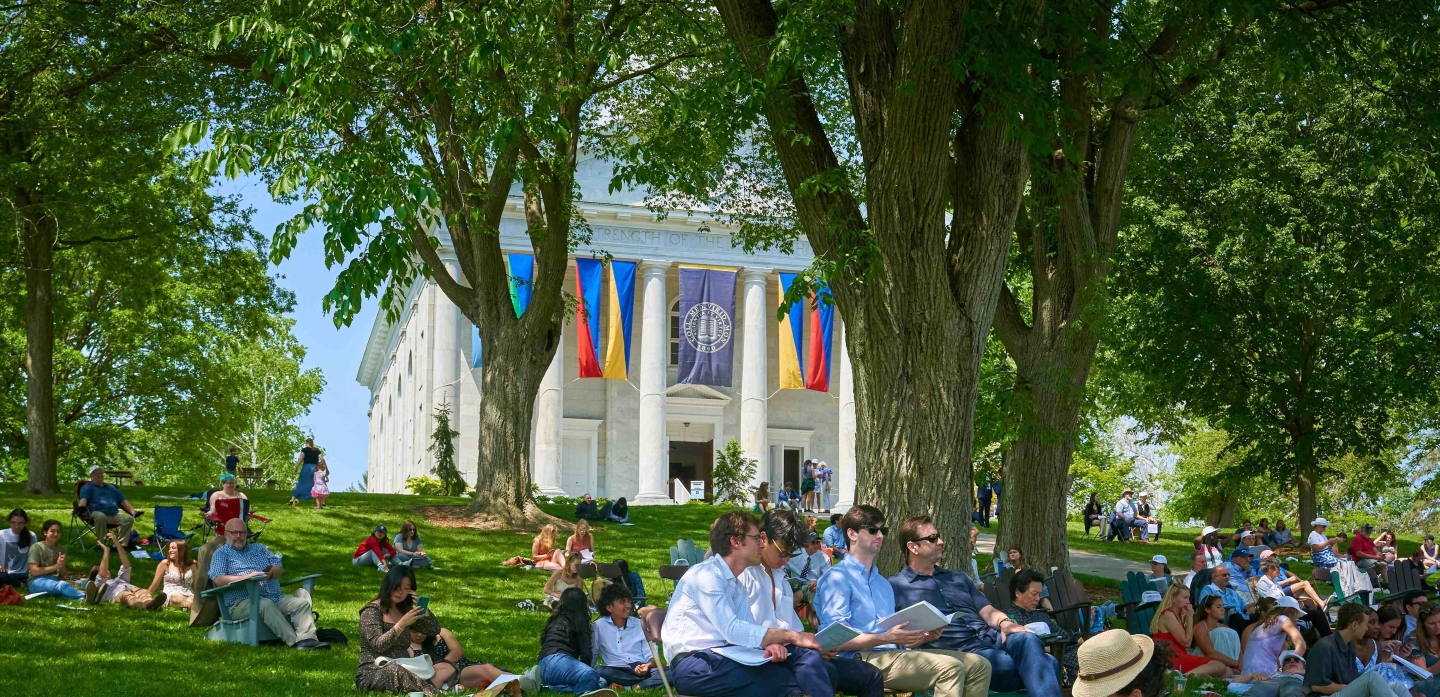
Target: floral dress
(377,640)
(321,487)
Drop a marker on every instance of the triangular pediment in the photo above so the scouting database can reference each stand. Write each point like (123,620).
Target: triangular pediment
(685,390)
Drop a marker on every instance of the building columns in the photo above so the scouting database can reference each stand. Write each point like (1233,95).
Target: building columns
(754,386)
(550,425)
(445,375)
(845,468)
(654,446)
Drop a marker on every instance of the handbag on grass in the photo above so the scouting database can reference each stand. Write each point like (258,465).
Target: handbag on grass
(419,665)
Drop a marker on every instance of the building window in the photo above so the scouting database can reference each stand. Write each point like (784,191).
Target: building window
(409,362)
(675,333)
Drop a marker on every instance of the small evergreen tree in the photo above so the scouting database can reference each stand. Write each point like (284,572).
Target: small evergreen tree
(731,475)
(442,444)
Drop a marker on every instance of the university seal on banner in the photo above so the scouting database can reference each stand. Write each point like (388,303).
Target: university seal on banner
(707,327)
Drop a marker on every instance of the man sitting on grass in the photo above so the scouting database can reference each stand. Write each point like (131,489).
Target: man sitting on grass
(620,642)
(286,615)
(1330,665)
(119,590)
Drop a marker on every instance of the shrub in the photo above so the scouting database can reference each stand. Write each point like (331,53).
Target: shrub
(731,475)
(425,486)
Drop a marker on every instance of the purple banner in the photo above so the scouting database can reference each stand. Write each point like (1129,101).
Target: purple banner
(707,326)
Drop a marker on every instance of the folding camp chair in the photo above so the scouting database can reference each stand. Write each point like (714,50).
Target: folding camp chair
(80,520)
(673,573)
(248,629)
(167,529)
(225,509)
(651,625)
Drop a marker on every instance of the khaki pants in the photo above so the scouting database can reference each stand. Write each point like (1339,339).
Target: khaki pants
(103,521)
(290,618)
(948,673)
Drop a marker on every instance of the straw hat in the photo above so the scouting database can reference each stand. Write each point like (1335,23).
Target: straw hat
(1110,660)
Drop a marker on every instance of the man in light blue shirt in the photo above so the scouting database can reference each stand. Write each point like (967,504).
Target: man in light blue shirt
(713,644)
(1240,611)
(856,594)
(286,615)
(106,504)
(834,539)
(1127,516)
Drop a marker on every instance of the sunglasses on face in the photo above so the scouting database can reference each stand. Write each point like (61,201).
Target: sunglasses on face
(783,551)
(932,539)
(877,530)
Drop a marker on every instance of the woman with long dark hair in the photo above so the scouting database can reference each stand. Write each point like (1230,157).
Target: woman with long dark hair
(567,648)
(15,544)
(309,459)
(386,627)
(1094,513)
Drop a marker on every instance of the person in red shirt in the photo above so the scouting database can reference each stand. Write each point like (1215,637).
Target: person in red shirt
(376,549)
(1362,550)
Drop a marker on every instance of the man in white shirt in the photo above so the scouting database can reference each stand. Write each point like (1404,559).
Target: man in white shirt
(620,642)
(713,644)
(1197,563)
(772,602)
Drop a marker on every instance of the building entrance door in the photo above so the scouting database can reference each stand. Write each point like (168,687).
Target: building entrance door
(691,462)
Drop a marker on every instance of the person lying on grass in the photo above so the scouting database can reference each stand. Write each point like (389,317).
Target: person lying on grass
(118,590)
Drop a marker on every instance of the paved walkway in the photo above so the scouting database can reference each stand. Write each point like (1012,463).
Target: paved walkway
(1081,562)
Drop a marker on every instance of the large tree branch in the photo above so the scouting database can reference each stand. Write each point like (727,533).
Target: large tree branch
(1009,325)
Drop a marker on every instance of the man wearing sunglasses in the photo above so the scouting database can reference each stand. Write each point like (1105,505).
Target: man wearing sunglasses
(772,600)
(1017,657)
(1288,682)
(857,595)
(713,644)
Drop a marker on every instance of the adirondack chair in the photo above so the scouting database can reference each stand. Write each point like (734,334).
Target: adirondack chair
(685,552)
(1351,585)
(248,629)
(998,592)
(1404,579)
(1070,606)
(1136,612)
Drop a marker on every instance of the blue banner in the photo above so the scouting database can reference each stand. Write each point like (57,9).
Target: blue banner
(707,326)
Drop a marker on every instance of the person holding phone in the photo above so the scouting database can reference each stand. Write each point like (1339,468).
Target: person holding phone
(387,624)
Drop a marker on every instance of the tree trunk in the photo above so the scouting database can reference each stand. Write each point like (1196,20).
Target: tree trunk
(1307,477)
(510,380)
(1037,469)
(39,240)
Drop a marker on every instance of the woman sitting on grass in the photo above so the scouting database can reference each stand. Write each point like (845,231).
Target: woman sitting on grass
(1264,640)
(176,573)
(1215,640)
(620,512)
(582,541)
(387,626)
(46,564)
(15,544)
(375,549)
(1173,625)
(563,579)
(445,648)
(543,554)
(409,549)
(567,648)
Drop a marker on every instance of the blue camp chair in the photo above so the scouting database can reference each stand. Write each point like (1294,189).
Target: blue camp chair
(167,529)
(248,629)
(686,553)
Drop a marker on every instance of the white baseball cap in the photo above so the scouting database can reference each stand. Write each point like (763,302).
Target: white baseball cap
(1320,522)
(1159,559)
(94,469)
(1287,601)
(1209,529)
(1143,494)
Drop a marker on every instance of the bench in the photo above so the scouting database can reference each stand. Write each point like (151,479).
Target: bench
(250,475)
(119,476)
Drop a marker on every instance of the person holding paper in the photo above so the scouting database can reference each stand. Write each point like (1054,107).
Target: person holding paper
(772,601)
(854,593)
(1016,655)
(713,644)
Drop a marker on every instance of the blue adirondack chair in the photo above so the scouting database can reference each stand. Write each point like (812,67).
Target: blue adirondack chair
(686,553)
(248,629)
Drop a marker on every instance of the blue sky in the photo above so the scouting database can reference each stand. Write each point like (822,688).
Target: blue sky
(338,418)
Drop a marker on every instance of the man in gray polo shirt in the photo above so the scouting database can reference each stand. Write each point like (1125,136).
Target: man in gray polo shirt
(1330,667)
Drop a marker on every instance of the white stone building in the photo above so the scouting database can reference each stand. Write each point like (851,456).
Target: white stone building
(615,438)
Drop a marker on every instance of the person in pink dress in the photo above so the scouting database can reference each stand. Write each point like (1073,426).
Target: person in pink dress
(321,488)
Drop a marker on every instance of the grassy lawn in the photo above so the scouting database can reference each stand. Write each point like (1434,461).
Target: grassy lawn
(120,651)
(126,652)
